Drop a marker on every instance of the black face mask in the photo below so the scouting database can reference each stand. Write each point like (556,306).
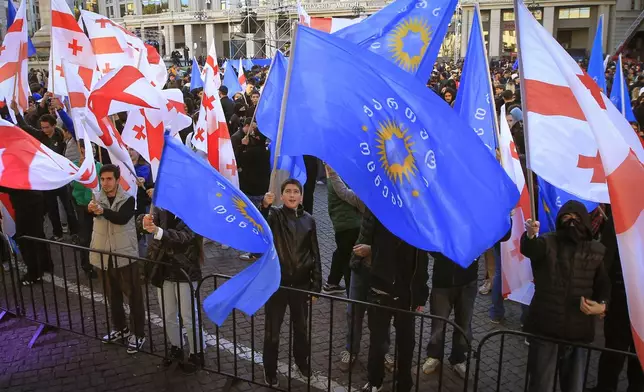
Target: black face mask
(573,231)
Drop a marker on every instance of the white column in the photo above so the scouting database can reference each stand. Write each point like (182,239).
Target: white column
(189,41)
(549,19)
(466,27)
(495,33)
(142,32)
(250,46)
(138,7)
(166,39)
(171,38)
(271,38)
(210,35)
(605,10)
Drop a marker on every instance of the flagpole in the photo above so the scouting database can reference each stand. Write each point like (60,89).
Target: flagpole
(280,127)
(489,79)
(524,105)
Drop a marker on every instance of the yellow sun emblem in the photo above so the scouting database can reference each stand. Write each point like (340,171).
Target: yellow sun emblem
(395,150)
(241,207)
(411,34)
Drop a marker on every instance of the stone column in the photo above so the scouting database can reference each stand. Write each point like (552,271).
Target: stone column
(604,10)
(466,26)
(250,46)
(210,36)
(138,7)
(549,19)
(166,39)
(189,42)
(142,32)
(270,37)
(494,38)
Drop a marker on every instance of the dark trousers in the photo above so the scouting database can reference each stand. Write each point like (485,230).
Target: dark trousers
(125,281)
(85,228)
(441,303)
(35,254)
(617,331)
(275,309)
(311,164)
(344,242)
(51,200)
(545,359)
(379,321)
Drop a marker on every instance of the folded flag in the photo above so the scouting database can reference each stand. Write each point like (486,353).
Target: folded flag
(11,16)
(268,117)
(416,170)
(230,80)
(619,93)
(223,214)
(596,61)
(408,33)
(195,76)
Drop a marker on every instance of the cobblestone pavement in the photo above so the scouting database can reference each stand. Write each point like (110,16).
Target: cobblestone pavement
(62,360)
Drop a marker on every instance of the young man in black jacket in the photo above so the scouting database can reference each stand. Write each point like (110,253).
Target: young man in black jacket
(398,279)
(571,286)
(296,242)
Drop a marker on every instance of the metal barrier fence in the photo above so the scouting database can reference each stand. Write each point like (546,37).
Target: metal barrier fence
(69,300)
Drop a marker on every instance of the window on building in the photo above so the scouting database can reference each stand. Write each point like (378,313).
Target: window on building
(222,4)
(122,8)
(154,6)
(184,5)
(508,16)
(574,13)
(130,8)
(110,12)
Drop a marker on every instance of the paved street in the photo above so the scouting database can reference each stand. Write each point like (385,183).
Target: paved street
(69,361)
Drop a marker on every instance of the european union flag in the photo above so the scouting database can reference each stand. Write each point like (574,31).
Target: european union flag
(268,117)
(408,33)
(195,76)
(230,80)
(423,173)
(11,16)
(619,94)
(596,62)
(475,100)
(194,191)
(551,199)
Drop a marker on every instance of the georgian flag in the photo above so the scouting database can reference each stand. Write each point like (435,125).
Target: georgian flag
(241,76)
(8,215)
(212,65)
(13,63)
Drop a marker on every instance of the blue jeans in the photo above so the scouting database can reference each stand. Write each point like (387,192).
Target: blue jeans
(497,310)
(542,366)
(358,290)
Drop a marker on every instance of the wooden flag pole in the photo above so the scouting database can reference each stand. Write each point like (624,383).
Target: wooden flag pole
(280,128)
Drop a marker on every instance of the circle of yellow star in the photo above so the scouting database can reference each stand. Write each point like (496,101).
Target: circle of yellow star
(390,132)
(404,60)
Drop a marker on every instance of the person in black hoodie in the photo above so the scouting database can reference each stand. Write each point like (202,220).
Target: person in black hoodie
(571,286)
(617,324)
(296,242)
(398,279)
(176,244)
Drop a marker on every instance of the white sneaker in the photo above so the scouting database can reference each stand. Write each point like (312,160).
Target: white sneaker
(460,369)
(135,344)
(389,362)
(116,335)
(370,388)
(486,287)
(430,365)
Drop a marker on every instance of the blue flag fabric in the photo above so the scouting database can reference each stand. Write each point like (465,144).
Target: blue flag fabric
(551,199)
(475,100)
(516,64)
(268,116)
(231,80)
(195,76)
(596,62)
(423,173)
(408,33)
(214,208)
(619,94)
(11,16)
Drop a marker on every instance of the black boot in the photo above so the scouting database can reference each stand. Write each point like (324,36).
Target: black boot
(191,365)
(176,354)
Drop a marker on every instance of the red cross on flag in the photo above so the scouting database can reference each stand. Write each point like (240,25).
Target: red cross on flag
(115,46)
(211,133)
(143,132)
(516,269)
(175,116)
(241,76)
(14,84)
(69,42)
(212,65)
(8,215)
(25,163)
(562,149)
(623,168)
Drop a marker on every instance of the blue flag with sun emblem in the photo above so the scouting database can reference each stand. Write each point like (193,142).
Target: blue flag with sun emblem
(422,172)
(407,32)
(475,99)
(211,206)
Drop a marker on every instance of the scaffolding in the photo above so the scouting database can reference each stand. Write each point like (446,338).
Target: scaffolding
(258,28)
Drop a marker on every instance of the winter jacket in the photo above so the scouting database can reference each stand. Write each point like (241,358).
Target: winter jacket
(296,242)
(229,107)
(56,142)
(564,271)
(253,163)
(114,231)
(83,195)
(398,269)
(343,215)
(179,246)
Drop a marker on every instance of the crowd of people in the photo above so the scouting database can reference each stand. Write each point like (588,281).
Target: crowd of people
(576,268)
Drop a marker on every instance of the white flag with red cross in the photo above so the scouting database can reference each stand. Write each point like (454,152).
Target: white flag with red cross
(25,163)
(241,76)
(516,269)
(115,46)
(621,165)
(212,65)
(69,42)
(175,116)
(211,133)
(14,83)
(8,215)
(562,149)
